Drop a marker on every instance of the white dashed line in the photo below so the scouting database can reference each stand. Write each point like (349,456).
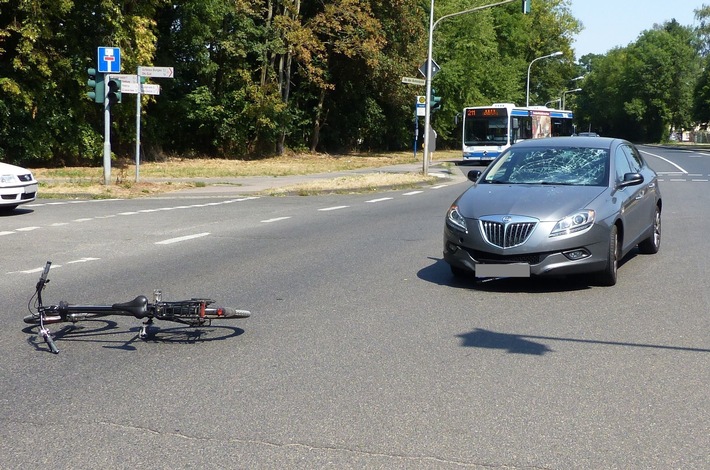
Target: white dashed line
(182,239)
(380,199)
(276,219)
(412,193)
(26,229)
(334,208)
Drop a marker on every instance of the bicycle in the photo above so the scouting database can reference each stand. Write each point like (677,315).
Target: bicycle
(194,312)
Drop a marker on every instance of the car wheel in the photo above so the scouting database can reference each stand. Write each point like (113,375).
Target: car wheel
(651,245)
(608,276)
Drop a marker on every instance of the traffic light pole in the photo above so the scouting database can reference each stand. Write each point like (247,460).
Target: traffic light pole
(107,134)
(427,108)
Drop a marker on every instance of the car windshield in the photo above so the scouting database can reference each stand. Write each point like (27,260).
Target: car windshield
(574,166)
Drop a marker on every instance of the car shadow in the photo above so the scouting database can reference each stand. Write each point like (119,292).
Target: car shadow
(14,212)
(440,273)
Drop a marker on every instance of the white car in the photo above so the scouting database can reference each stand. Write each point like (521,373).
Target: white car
(17,186)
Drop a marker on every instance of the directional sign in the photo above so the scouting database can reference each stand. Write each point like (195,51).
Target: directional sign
(109,60)
(134,88)
(414,81)
(434,68)
(158,72)
(125,78)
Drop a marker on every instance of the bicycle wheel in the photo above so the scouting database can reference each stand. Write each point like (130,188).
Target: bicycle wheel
(216,313)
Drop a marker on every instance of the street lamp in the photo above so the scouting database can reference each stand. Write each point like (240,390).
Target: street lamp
(527,93)
(568,91)
(428,68)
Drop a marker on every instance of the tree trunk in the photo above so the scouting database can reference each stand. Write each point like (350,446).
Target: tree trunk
(318,121)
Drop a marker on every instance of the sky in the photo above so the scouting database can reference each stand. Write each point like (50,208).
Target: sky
(611,23)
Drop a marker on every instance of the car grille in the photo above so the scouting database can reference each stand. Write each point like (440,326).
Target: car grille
(507,231)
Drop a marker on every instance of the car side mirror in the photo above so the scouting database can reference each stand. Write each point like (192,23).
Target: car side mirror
(473,175)
(631,179)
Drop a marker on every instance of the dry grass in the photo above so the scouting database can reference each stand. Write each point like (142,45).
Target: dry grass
(179,173)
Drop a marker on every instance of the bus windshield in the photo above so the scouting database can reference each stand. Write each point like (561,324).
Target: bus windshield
(486,131)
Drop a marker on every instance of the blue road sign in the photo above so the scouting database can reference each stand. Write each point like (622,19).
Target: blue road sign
(109,60)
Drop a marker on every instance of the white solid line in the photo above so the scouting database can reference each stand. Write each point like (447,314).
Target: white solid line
(380,199)
(182,239)
(334,208)
(268,221)
(665,160)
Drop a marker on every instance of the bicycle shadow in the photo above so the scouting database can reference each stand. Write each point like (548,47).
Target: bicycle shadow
(155,334)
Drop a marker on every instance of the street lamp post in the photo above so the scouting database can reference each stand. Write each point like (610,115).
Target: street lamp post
(428,67)
(568,91)
(527,93)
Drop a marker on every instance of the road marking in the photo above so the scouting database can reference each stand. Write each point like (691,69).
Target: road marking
(276,219)
(6,233)
(26,229)
(439,186)
(380,199)
(334,208)
(182,239)
(665,160)
(82,220)
(412,193)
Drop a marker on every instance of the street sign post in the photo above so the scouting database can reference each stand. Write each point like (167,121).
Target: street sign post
(146,89)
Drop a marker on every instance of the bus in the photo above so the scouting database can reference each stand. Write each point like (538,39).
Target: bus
(489,130)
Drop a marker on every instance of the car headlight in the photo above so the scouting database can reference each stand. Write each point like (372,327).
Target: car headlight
(8,179)
(576,223)
(455,219)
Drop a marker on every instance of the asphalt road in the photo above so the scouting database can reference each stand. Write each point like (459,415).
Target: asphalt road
(362,351)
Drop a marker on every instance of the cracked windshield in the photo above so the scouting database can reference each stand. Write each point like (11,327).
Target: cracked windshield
(563,166)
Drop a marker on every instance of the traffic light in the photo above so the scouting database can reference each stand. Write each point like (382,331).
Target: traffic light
(435,101)
(96,85)
(526,6)
(114,91)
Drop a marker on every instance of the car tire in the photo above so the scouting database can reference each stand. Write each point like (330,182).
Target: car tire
(608,276)
(651,245)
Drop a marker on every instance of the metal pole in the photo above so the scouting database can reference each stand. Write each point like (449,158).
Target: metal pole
(107,133)
(427,107)
(138,124)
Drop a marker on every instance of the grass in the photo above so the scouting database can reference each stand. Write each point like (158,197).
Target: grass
(178,173)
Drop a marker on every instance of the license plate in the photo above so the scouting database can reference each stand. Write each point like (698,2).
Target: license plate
(503,270)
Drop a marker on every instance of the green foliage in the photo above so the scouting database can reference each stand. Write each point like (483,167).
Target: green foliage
(256,77)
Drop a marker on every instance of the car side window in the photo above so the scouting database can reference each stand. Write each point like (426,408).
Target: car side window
(621,163)
(634,158)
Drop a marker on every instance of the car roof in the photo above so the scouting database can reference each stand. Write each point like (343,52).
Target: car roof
(572,141)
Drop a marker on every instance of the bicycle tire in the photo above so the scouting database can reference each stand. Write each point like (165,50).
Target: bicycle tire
(218,313)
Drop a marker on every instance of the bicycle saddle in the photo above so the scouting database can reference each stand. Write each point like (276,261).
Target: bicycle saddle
(137,307)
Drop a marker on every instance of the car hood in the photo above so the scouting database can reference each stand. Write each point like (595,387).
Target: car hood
(544,202)
(7,169)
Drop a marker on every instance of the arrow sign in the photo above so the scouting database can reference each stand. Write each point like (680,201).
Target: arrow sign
(134,88)
(158,72)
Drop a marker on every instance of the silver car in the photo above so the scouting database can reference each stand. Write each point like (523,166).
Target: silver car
(556,206)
